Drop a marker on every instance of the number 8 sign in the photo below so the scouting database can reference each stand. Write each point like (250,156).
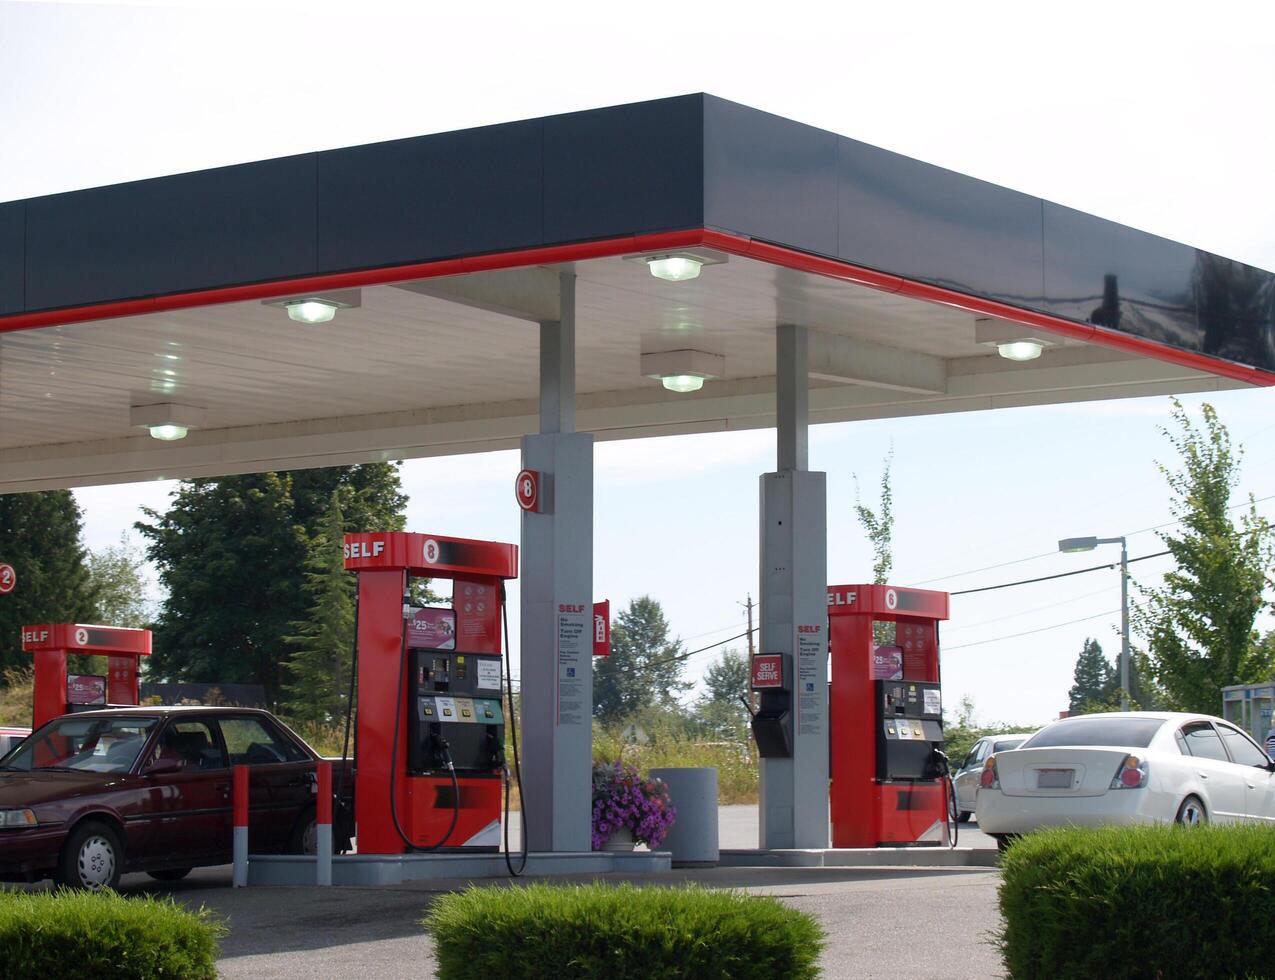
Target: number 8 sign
(8,579)
(527,490)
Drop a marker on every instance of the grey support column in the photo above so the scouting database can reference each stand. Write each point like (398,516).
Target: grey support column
(557,605)
(794,610)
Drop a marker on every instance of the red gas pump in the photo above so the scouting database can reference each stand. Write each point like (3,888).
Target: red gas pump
(887,724)
(431,726)
(56,693)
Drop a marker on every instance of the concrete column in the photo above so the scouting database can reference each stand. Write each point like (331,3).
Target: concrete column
(557,605)
(794,610)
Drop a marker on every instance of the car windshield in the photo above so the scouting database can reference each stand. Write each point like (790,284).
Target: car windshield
(85,744)
(1121,732)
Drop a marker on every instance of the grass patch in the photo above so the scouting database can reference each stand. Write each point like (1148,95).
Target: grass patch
(1154,901)
(620,932)
(735,761)
(85,935)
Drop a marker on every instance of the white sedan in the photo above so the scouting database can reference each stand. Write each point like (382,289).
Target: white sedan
(1135,767)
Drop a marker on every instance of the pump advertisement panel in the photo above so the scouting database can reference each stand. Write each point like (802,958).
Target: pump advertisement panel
(85,689)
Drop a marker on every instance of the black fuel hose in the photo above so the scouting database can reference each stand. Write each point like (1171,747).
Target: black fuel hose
(451,768)
(513,736)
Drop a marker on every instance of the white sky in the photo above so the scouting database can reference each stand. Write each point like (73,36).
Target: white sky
(1156,115)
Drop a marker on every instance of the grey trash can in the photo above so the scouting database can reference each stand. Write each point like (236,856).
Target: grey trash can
(692,839)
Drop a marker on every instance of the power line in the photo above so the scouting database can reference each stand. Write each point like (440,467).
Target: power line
(948,631)
(1046,578)
(1043,629)
(1020,561)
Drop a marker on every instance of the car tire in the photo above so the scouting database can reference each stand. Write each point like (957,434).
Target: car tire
(305,833)
(170,874)
(92,858)
(1004,841)
(964,817)
(1192,813)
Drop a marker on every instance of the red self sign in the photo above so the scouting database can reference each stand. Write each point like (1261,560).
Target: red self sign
(602,628)
(768,670)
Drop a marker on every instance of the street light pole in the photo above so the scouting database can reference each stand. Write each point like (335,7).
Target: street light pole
(1124,626)
(1070,545)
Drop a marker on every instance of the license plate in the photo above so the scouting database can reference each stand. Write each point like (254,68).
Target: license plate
(1054,778)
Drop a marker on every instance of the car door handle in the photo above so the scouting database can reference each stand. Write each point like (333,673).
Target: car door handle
(1250,785)
(1203,775)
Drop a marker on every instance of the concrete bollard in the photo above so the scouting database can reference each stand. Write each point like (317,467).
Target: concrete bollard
(239,795)
(692,840)
(323,825)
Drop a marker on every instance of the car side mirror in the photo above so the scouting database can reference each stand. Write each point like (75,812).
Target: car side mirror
(163,766)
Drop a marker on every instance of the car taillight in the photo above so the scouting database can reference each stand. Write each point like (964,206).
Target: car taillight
(988,778)
(1132,774)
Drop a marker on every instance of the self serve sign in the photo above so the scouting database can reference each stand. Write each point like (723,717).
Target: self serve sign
(768,670)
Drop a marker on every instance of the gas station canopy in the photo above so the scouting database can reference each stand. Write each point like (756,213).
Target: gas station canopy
(164,301)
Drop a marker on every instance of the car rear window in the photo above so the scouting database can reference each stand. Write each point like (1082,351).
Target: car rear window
(1122,732)
(1006,744)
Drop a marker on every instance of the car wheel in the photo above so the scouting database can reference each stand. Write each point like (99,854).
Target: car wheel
(964,816)
(1005,841)
(92,858)
(1192,813)
(305,835)
(169,874)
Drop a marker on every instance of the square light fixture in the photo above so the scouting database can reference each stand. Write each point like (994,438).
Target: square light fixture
(683,370)
(166,421)
(1012,341)
(317,307)
(679,265)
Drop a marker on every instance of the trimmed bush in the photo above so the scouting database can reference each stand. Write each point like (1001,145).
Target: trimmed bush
(85,935)
(620,932)
(1153,901)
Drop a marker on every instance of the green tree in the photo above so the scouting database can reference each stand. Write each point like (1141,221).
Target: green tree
(644,668)
(231,553)
(719,709)
(1094,680)
(319,668)
(40,536)
(117,582)
(879,526)
(1198,625)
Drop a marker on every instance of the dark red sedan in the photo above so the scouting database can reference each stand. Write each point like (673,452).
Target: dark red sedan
(95,794)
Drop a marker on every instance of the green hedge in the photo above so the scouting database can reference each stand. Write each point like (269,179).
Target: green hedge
(1140,902)
(620,932)
(86,935)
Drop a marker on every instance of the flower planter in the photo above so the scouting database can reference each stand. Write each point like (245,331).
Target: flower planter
(621,841)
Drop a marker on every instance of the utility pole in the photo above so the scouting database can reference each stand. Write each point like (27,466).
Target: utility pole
(752,695)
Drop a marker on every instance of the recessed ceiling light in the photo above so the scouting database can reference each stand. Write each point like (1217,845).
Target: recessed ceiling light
(311,311)
(1020,350)
(674,268)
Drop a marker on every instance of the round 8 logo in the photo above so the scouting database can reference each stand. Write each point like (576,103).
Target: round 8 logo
(431,551)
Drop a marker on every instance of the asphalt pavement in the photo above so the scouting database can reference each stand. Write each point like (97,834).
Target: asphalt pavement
(881,922)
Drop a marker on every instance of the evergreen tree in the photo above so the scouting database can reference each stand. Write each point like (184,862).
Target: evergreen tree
(1199,625)
(40,538)
(720,709)
(231,553)
(643,669)
(1095,681)
(320,666)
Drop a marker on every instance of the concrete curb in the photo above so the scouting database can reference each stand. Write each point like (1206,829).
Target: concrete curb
(878,857)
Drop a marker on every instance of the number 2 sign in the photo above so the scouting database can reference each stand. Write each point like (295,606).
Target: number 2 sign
(8,579)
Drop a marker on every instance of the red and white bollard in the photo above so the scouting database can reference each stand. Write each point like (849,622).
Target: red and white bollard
(240,796)
(323,825)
